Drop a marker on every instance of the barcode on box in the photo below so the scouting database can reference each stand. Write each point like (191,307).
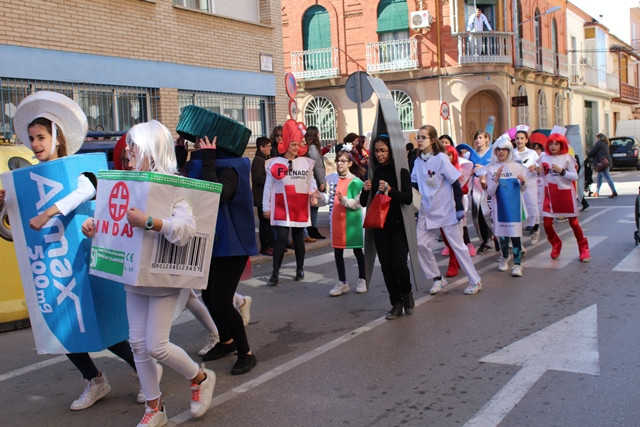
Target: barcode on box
(187,260)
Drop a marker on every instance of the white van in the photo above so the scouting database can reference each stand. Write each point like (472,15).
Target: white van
(628,128)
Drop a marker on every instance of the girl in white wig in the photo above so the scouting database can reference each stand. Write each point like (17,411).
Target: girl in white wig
(505,181)
(149,309)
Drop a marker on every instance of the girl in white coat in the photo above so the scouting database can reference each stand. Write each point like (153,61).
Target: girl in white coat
(437,180)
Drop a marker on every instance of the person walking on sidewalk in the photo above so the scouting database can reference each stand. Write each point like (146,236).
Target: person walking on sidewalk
(602,160)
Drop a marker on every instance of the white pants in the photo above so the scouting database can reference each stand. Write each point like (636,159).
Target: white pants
(453,233)
(149,328)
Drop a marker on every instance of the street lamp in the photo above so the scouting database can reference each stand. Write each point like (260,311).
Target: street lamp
(551,10)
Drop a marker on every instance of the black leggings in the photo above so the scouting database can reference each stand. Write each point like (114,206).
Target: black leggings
(224,276)
(88,369)
(282,238)
(485,231)
(342,275)
(392,248)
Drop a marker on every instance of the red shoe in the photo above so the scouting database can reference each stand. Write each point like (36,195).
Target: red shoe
(452,271)
(556,247)
(583,246)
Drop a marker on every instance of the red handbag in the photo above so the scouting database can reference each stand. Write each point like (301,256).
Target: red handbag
(377,211)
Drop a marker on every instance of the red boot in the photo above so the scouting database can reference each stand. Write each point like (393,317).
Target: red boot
(452,271)
(552,237)
(583,246)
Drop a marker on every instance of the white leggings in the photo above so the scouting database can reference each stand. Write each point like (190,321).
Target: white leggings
(453,233)
(149,328)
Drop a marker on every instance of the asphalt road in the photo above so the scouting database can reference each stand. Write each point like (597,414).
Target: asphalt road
(557,347)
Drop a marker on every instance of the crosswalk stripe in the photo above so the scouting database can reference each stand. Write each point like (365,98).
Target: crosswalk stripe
(630,263)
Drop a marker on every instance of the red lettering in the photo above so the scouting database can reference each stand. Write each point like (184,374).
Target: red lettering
(105,226)
(116,229)
(127,230)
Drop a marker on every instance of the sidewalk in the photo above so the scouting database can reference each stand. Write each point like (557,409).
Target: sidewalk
(323,227)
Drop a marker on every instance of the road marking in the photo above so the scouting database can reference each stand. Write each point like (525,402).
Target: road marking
(631,262)
(568,254)
(570,345)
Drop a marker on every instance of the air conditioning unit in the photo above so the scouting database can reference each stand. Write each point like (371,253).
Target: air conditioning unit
(420,19)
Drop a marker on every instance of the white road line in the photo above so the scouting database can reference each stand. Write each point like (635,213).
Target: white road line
(630,263)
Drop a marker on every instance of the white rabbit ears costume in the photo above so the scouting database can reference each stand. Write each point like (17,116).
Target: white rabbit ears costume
(61,110)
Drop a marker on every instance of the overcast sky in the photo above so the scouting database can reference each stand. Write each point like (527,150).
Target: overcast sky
(615,14)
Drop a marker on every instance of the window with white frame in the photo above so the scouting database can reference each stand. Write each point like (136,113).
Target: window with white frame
(543,114)
(404,107)
(321,113)
(559,109)
(245,10)
(523,112)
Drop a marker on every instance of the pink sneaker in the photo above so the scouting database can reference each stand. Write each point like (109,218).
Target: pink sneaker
(472,250)
(445,251)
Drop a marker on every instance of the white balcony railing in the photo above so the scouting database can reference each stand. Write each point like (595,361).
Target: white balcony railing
(484,47)
(315,64)
(586,75)
(562,67)
(545,60)
(394,55)
(525,54)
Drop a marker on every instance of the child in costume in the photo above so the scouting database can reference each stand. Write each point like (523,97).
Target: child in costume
(289,193)
(54,126)
(150,148)
(346,220)
(558,168)
(505,181)
(529,159)
(391,241)
(438,181)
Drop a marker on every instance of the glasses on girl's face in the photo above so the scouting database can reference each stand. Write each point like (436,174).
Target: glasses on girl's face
(381,150)
(342,161)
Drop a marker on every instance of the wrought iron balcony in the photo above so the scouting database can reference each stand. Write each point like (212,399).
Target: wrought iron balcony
(315,64)
(394,55)
(484,48)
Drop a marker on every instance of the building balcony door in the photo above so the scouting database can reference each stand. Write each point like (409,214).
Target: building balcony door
(479,108)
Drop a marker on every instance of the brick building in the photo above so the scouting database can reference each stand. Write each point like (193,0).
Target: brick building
(438,72)
(129,61)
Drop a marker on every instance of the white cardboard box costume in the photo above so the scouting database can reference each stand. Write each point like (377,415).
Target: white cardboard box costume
(136,257)
(69,311)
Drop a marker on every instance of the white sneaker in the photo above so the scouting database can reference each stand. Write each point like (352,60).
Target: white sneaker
(504,264)
(202,393)
(245,310)
(153,417)
(437,286)
(94,390)
(141,398)
(473,289)
(212,339)
(535,236)
(361,286)
(339,289)
(517,271)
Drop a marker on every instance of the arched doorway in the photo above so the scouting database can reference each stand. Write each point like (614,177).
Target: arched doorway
(479,108)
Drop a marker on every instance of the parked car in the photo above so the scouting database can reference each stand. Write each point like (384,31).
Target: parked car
(624,152)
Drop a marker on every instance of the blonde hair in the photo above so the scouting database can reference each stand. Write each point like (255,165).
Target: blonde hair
(154,142)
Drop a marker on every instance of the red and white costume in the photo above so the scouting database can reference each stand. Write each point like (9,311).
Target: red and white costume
(287,191)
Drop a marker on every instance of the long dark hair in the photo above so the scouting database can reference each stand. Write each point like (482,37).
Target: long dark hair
(313,137)
(60,141)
